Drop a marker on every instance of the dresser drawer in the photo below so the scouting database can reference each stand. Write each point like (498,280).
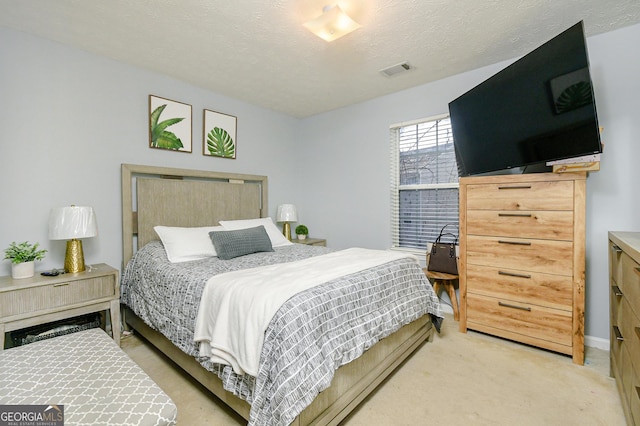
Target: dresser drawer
(553,291)
(521,254)
(615,262)
(521,196)
(550,225)
(629,327)
(634,396)
(616,352)
(626,375)
(33,299)
(542,323)
(630,282)
(615,308)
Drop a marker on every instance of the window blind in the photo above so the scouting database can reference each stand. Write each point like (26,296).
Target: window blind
(424,182)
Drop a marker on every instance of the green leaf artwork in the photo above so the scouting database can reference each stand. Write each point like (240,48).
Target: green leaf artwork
(160,137)
(220,143)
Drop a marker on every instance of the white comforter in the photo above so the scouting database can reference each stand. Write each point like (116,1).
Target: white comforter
(236,307)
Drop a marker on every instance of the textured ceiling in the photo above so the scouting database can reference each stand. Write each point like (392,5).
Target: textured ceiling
(258,50)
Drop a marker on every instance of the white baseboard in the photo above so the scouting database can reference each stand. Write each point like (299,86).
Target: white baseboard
(597,342)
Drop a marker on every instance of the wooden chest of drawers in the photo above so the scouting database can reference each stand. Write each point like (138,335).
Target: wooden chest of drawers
(624,302)
(522,259)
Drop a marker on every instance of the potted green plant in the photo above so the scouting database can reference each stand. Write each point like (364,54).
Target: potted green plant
(23,257)
(302,232)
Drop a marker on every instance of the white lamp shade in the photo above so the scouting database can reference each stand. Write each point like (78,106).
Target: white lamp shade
(287,213)
(66,223)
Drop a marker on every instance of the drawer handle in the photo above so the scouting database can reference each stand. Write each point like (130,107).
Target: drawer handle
(515,214)
(507,305)
(61,285)
(616,331)
(513,274)
(515,187)
(615,248)
(617,291)
(637,270)
(638,332)
(516,243)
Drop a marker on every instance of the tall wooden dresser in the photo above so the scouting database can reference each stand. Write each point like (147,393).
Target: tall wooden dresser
(624,302)
(522,259)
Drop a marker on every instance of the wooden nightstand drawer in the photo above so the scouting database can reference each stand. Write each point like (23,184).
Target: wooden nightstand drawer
(555,225)
(50,296)
(545,256)
(552,291)
(40,299)
(538,322)
(311,242)
(551,195)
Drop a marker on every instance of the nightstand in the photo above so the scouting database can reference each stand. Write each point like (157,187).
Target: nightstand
(39,300)
(311,242)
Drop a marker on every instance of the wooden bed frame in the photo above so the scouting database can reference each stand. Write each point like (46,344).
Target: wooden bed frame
(180,197)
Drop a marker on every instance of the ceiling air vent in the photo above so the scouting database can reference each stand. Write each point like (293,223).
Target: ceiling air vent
(396,69)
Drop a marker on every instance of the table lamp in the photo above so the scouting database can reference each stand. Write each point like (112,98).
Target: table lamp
(72,223)
(287,213)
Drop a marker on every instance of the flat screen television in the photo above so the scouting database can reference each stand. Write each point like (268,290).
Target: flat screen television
(540,108)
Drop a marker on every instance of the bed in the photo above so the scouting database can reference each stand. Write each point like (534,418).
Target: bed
(161,302)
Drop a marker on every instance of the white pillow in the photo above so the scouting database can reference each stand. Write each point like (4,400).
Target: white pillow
(184,244)
(275,235)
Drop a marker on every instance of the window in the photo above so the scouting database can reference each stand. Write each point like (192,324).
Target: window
(424,181)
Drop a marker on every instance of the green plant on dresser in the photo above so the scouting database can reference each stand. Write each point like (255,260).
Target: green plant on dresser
(23,252)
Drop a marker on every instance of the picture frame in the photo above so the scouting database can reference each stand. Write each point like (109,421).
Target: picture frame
(219,134)
(169,124)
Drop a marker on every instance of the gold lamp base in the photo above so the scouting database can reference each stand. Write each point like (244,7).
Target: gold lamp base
(286,230)
(74,257)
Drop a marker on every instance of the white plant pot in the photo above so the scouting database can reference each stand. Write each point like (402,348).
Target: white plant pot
(22,270)
(302,237)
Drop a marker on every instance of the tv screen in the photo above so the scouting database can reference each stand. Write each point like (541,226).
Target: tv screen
(540,108)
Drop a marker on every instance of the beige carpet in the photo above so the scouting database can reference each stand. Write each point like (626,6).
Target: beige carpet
(458,379)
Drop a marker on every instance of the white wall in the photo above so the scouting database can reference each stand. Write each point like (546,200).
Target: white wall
(68,119)
(345,194)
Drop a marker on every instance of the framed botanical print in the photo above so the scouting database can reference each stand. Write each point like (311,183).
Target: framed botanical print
(220,133)
(169,124)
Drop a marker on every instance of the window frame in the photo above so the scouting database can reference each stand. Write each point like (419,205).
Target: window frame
(396,187)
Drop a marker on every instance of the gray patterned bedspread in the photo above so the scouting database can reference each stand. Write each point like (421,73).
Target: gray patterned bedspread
(313,334)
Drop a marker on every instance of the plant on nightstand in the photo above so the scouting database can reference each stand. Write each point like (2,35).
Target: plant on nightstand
(302,232)
(23,257)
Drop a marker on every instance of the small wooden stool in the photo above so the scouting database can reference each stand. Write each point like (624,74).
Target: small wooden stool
(442,279)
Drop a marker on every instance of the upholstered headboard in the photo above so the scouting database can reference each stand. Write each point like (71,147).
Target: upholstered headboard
(181,197)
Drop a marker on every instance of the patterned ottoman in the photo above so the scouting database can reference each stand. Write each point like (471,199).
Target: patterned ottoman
(87,373)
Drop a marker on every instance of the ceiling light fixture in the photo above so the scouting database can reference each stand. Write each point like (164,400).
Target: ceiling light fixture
(332,24)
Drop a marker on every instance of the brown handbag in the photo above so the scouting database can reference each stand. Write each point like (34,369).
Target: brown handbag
(443,255)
